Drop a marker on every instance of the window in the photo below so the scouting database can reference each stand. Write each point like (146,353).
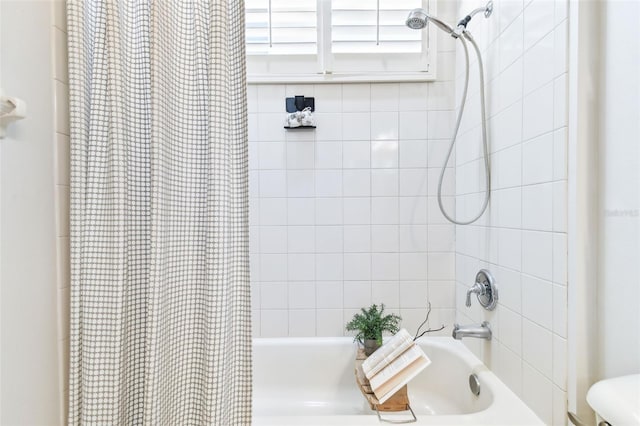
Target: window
(337,40)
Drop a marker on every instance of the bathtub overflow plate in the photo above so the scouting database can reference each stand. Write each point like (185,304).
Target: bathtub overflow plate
(474,384)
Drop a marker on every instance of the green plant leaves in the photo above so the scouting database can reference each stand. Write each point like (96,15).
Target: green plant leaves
(372,322)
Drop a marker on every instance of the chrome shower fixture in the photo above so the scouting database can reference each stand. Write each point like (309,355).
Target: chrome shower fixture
(487,10)
(419,18)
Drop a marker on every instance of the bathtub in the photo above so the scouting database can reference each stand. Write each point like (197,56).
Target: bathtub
(310,381)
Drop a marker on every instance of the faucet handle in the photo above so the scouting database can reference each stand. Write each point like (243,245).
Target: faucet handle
(477,288)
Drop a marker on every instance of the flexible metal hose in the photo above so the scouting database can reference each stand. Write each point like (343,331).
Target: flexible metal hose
(485,146)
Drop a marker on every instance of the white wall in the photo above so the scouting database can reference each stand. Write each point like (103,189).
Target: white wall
(345,216)
(522,238)
(619,202)
(582,198)
(34,211)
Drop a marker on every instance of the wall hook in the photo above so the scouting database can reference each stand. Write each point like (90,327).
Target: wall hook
(11,109)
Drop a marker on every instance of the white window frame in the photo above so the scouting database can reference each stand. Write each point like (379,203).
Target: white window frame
(317,68)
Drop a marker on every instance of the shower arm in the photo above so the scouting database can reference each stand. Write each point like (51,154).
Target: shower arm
(462,24)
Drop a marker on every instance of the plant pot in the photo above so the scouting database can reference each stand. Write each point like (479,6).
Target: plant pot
(370,346)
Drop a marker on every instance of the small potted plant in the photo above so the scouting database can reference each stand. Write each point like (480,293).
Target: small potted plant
(370,324)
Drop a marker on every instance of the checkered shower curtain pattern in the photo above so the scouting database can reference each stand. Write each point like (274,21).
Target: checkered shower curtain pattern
(160,309)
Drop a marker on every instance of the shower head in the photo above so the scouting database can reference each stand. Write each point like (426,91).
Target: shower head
(419,18)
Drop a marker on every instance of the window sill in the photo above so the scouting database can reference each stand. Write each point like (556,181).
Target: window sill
(340,78)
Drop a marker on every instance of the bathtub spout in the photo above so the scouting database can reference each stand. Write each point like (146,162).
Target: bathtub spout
(482,331)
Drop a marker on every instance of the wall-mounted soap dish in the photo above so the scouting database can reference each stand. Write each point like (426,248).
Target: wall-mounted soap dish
(299,127)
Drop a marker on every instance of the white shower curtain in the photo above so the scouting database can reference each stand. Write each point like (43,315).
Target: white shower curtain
(160,309)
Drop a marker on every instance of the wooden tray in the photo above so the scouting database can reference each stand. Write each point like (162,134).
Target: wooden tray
(398,402)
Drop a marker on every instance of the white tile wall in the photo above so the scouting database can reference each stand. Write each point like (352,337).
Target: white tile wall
(522,237)
(339,215)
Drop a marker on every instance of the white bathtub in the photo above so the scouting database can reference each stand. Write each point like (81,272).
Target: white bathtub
(310,381)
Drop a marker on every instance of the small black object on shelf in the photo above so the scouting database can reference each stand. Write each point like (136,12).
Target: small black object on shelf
(299,103)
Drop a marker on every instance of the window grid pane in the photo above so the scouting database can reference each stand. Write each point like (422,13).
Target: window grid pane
(354,27)
(289,28)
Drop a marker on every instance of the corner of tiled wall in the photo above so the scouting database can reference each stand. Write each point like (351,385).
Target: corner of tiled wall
(61,190)
(522,238)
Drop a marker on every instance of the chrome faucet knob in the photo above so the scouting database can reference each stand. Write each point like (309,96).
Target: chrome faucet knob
(485,289)
(476,289)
